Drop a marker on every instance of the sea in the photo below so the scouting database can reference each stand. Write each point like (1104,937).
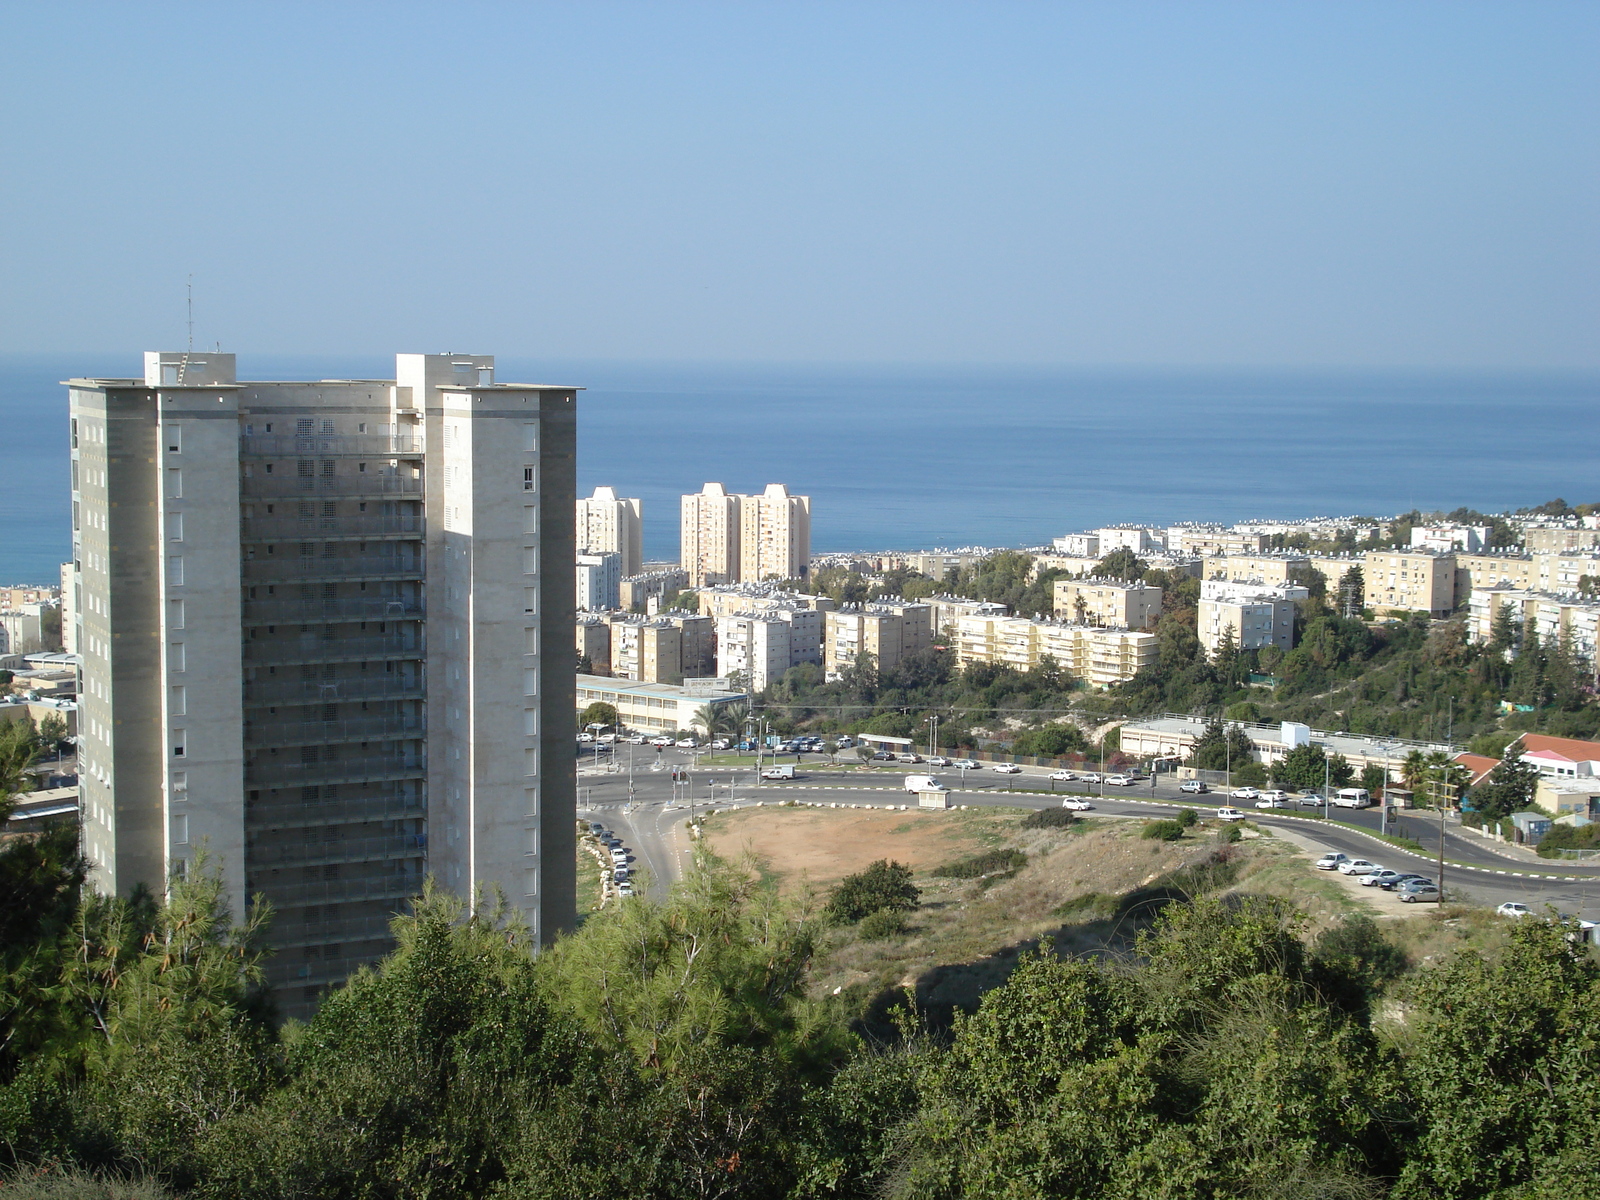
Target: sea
(928,457)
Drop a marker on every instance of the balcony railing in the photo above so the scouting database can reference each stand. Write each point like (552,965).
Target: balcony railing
(277,692)
(288,445)
(279,568)
(271,817)
(350,608)
(334,891)
(349,525)
(291,935)
(279,651)
(360,768)
(353,483)
(386,728)
(353,851)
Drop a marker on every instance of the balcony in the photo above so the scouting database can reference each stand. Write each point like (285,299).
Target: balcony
(350,608)
(344,851)
(399,886)
(294,934)
(379,728)
(346,526)
(275,692)
(287,568)
(282,651)
(356,768)
(354,483)
(262,818)
(359,445)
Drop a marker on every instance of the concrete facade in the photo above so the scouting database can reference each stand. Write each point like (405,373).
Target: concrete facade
(1274,569)
(606,523)
(324,630)
(599,580)
(708,537)
(1107,602)
(775,535)
(650,707)
(1400,581)
(1100,657)
(1258,615)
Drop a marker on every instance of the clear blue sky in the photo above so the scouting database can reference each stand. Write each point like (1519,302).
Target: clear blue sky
(1186,183)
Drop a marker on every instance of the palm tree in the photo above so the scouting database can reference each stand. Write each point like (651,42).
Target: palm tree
(1414,770)
(718,719)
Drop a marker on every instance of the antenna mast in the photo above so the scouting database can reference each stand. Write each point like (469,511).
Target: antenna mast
(184,365)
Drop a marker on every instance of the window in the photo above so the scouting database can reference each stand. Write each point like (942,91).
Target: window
(174,527)
(530,437)
(174,439)
(175,570)
(179,702)
(175,483)
(180,829)
(175,653)
(527,479)
(179,737)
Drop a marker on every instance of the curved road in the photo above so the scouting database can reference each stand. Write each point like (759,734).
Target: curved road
(650,819)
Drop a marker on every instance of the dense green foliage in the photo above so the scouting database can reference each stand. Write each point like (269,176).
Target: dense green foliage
(883,886)
(990,862)
(1507,789)
(1050,818)
(1166,830)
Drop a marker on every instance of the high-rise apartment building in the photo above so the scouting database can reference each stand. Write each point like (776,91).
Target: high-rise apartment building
(599,580)
(709,536)
(325,636)
(608,524)
(730,538)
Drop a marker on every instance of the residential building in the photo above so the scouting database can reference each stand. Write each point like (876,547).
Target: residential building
(651,707)
(607,523)
(775,535)
(856,629)
(646,649)
(939,563)
(1443,539)
(758,597)
(1072,564)
(916,622)
(709,541)
(1078,545)
(637,591)
(1477,572)
(1204,541)
(698,635)
(1256,614)
(1130,537)
(947,610)
(599,578)
(69,608)
(760,646)
(1402,581)
(257,563)
(1569,571)
(1100,657)
(1175,737)
(22,629)
(1559,757)
(1561,540)
(1107,602)
(1274,569)
(594,642)
(1569,620)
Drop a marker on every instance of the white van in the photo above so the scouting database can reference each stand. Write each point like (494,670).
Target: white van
(781,771)
(1352,798)
(924,783)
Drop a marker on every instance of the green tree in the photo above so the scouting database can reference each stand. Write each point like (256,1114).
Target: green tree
(1220,746)
(598,713)
(1352,591)
(1120,564)
(1374,778)
(883,885)
(1507,789)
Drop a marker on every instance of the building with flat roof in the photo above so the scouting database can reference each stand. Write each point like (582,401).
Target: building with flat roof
(651,707)
(609,524)
(1099,657)
(257,563)
(759,647)
(1257,614)
(1401,581)
(774,535)
(1273,569)
(599,580)
(708,538)
(1107,603)
(1175,736)
(646,649)
(1570,620)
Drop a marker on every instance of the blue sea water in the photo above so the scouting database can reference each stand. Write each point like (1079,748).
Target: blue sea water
(908,458)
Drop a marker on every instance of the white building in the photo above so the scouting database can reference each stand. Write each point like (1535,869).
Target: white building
(1078,545)
(1100,657)
(651,707)
(599,580)
(761,646)
(1258,614)
(606,523)
(1130,537)
(1570,619)
(22,628)
(1445,538)
(256,565)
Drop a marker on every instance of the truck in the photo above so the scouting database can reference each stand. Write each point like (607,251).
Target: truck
(1352,798)
(924,783)
(786,771)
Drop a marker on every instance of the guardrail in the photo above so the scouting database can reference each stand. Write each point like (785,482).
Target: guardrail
(285,568)
(367,525)
(356,769)
(262,818)
(277,652)
(332,691)
(311,733)
(313,612)
(350,850)
(285,445)
(261,486)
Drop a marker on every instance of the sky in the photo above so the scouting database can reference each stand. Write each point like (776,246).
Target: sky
(1278,184)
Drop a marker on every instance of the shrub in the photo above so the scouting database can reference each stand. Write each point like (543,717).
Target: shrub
(1569,837)
(885,923)
(1049,818)
(1228,834)
(1358,943)
(988,863)
(883,885)
(1167,831)
(1187,817)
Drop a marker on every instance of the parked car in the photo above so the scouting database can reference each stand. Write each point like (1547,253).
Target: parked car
(1379,878)
(596,828)
(1512,909)
(1120,781)
(1194,787)
(661,739)
(883,756)
(1395,885)
(720,744)
(1244,793)
(908,758)
(1229,814)
(586,737)
(1330,861)
(1281,796)
(637,739)
(624,888)
(1089,777)
(1063,776)
(938,760)
(1007,769)
(1269,800)
(844,743)
(686,743)
(966,764)
(1420,893)
(1358,866)
(1310,800)
(1077,804)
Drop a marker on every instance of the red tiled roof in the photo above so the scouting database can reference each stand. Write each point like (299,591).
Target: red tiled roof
(1478,764)
(1571,749)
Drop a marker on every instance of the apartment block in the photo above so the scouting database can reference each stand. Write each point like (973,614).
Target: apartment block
(1257,615)
(1443,539)
(775,535)
(324,637)
(757,597)
(1078,545)
(1567,571)
(854,630)
(1130,537)
(698,634)
(1189,539)
(599,580)
(607,523)
(1400,581)
(1273,569)
(709,542)
(945,611)
(1100,657)
(916,622)
(760,647)
(1556,618)
(636,591)
(69,608)
(22,628)
(646,649)
(1108,602)
(1561,540)
(939,563)
(594,642)
(1481,571)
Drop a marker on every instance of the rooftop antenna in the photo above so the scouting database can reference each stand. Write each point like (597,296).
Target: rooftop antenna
(184,365)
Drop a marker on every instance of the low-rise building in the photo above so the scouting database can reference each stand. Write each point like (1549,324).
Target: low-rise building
(1100,657)
(1256,614)
(1204,541)
(1402,581)
(1076,566)
(1078,545)
(699,641)
(728,600)
(856,629)
(1561,539)
(1477,572)
(1274,569)
(1108,603)
(1139,539)
(760,646)
(22,628)
(936,564)
(647,650)
(1169,737)
(945,611)
(1444,539)
(1571,620)
(1567,571)
(652,707)
(635,591)
(594,643)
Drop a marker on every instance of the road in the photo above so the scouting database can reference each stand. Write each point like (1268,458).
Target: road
(650,819)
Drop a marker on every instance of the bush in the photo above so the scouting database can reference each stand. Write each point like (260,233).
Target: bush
(1228,834)
(883,885)
(1358,942)
(1049,818)
(1187,817)
(988,863)
(884,923)
(1167,831)
(1569,837)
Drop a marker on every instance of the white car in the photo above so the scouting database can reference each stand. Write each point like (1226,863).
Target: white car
(1089,777)
(661,740)
(1007,769)
(1358,866)
(1229,814)
(966,764)
(1269,800)
(1512,909)
(1064,776)
(1245,793)
(1379,877)
(1330,861)
(1076,804)
(686,743)
(938,760)
(1120,781)
(637,739)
